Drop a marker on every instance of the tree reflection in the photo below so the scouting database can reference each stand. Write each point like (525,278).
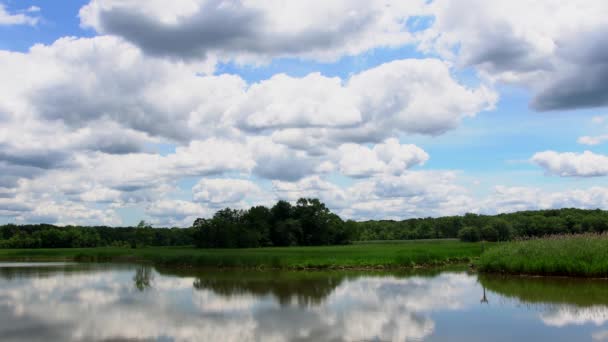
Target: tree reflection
(143,278)
(303,289)
(484,299)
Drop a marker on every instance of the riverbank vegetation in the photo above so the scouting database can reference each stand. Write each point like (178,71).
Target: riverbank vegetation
(308,222)
(377,255)
(582,255)
(473,227)
(50,236)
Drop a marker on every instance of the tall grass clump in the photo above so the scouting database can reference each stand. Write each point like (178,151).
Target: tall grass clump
(582,255)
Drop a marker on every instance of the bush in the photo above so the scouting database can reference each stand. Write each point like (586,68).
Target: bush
(469,234)
(488,233)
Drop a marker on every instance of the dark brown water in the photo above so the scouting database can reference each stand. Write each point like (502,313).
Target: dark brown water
(73,302)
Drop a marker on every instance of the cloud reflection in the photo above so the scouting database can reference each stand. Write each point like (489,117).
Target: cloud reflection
(105,305)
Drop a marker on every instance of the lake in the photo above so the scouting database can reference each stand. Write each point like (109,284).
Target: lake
(108,302)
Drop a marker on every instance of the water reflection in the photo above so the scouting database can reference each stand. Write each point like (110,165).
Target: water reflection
(143,278)
(560,301)
(109,302)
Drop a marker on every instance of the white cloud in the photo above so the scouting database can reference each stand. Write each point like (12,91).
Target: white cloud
(7,18)
(85,118)
(417,96)
(568,164)
(218,192)
(169,213)
(510,199)
(555,49)
(254,31)
(284,101)
(589,140)
(390,157)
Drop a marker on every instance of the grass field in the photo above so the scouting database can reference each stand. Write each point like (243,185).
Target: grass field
(583,255)
(375,255)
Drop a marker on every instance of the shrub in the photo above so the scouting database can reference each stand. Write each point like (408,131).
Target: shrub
(469,234)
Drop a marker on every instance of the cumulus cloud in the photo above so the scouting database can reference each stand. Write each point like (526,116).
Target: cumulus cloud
(418,96)
(563,60)
(109,122)
(389,157)
(7,18)
(410,194)
(85,81)
(510,199)
(219,192)
(180,213)
(254,30)
(288,102)
(568,164)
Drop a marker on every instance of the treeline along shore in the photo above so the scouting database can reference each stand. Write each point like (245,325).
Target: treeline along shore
(307,223)
(307,234)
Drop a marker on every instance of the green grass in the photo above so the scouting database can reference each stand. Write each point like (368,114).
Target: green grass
(583,255)
(376,255)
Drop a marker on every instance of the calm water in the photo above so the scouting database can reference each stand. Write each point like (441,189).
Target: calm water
(72,302)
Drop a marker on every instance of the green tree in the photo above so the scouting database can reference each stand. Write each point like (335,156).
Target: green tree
(488,233)
(469,234)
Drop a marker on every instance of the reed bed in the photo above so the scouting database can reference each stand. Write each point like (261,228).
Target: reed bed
(582,255)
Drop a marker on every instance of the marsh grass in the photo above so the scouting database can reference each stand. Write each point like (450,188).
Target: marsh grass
(376,255)
(583,255)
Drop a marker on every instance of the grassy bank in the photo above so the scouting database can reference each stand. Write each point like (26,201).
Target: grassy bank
(583,255)
(376,255)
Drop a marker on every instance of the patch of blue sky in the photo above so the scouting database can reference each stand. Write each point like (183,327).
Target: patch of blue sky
(506,138)
(419,23)
(57,19)
(162,148)
(131,215)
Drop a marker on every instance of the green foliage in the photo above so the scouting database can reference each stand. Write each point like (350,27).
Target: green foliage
(49,236)
(507,226)
(564,255)
(469,234)
(488,233)
(308,223)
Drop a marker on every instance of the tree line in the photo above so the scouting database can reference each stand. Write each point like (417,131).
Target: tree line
(474,227)
(307,222)
(51,236)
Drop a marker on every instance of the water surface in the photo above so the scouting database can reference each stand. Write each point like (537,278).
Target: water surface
(88,302)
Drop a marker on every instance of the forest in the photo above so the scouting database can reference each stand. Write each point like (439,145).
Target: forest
(308,222)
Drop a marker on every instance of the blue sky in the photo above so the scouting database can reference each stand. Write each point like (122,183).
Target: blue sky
(408,110)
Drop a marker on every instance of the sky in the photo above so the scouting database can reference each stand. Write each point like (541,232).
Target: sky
(114,111)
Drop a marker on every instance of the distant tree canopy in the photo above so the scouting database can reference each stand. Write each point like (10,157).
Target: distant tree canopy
(473,227)
(307,223)
(50,236)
